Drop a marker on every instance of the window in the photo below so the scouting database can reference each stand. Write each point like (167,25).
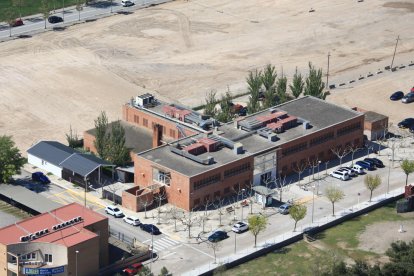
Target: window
(136,119)
(227,190)
(321,139)
(33,255)
(207,181)
(145,122)
(48,258)
(348,129)
(172,133)
(295,149)
(237,170)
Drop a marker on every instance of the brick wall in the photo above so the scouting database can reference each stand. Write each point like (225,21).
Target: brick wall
(143,119)
(88,140)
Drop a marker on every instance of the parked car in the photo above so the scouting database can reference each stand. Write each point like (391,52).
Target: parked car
(397,96)
(127,3)
(54,19)
(132,269)
(134,221)
(284,209)
(358,169)
(150,228)
(378,163)
(17,23)
(217,236)
(240,227)
(412,89)
(366,165)
(406,123)
(408,98)
(114,211)
(350,171)
(412,129)
(340,175)
(40,177)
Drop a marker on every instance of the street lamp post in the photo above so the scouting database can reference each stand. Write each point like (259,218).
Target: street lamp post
(76,262)
(319,163)
(152,248)
(242,204)
(235,234)
(326,167)
(389,172)
(313,201)
(63,10)
(358,199)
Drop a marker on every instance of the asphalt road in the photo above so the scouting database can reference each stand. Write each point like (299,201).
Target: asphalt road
(34,24)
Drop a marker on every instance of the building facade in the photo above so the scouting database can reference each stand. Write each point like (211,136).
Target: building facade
(70,240)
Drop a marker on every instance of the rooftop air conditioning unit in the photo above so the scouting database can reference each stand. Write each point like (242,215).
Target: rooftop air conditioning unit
(72,221)
(46,231)
(54,227)
(23,238)
(37,234)
(80,218)
(32,237)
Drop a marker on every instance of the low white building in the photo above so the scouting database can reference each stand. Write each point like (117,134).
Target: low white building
(48,155)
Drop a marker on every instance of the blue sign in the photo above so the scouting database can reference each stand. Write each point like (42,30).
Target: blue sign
(43,271)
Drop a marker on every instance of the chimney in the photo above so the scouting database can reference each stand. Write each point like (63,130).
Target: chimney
(156,135)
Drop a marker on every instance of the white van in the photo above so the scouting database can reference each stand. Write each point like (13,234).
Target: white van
(358,169)
(340,175)
(127,3)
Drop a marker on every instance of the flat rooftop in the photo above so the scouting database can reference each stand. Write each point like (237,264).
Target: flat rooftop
(68,236)
(320,114)
(136,138)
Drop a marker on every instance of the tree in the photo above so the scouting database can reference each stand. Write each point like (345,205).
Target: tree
(299,168)
(189,221)
(101,137)
(254,82)
(45,9)
(269,79)
(334,195)
(215,246)
(164,272)
(159,197)
(340,153)
(145,271)
(219,206)
(145,202)
(372,182)
(225,114)
(352,149)
(408,167)
(79,7)
(297,84)
(10,15)
(297,212)
(72,138)
(281,186)
(11,161)
(281,86)
(19,4)
(117,153)
(211,102)
(257,224)
(314,85)
(175,215)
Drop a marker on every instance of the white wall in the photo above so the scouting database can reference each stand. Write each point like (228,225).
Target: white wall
(35,161)
(256,176)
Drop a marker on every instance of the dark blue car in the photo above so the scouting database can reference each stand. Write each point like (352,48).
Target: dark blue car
(40,177)
(150,228)
(397,96)
(377,163)
(218,236)
(366,165)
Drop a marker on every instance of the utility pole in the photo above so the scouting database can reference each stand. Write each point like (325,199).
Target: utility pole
(327,72)
(395,50)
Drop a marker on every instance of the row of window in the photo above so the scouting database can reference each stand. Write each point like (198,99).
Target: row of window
(237,188)
(348,129)
(145,124)
(322,139)
(237,170)
(32,256)
(295,149)
(207,181)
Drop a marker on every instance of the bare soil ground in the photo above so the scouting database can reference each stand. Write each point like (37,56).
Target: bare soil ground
(379,236)
(181,50)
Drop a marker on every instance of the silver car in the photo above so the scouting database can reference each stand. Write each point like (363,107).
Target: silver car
(408,98)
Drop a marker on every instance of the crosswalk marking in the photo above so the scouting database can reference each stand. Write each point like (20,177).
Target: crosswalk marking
(162,243)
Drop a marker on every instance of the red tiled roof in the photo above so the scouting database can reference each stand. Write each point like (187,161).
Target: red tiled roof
(68,236)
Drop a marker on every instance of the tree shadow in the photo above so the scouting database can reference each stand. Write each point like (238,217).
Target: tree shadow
(59,28)
(124,12)
(283,250)
(24,36)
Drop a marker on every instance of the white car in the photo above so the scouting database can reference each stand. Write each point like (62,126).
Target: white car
(127,3)
(340,175)
(350,171)
(240,227)
(134,221)
(358,169)
(114,211)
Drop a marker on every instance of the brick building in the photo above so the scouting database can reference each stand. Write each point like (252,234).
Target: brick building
(211,163)
(70,240)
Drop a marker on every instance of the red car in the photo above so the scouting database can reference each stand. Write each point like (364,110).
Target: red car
(132,269)
(17,22)
(412,90)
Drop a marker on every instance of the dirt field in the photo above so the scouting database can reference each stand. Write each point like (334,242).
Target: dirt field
(379,236)
(181,50)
